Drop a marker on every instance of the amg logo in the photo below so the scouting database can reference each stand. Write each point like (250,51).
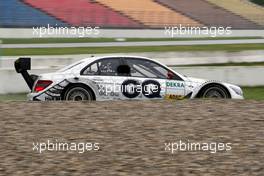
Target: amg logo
(175,84)
(53,98)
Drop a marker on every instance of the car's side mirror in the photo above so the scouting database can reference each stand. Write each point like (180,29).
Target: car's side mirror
(170,75)
(123,70)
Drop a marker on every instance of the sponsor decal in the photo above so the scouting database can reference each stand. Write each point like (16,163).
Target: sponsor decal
(174,97)
(107,90)
(175,84)
(149,88)
(130,88)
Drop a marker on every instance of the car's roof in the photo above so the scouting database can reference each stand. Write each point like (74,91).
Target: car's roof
(82,63)
(94,58)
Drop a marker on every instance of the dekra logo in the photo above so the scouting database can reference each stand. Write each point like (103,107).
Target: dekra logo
(174,84)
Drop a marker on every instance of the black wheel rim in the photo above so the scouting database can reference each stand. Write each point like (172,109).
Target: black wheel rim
(214,92)
(78,94)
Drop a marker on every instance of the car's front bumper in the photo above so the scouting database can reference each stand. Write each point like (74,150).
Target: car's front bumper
(239,97)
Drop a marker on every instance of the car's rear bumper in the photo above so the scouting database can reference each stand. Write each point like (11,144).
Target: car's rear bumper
(44,96)
(52,93)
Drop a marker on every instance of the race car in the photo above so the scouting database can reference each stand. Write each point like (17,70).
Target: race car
(120,78)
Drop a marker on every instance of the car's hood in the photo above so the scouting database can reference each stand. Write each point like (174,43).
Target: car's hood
(201,81)
(196,80)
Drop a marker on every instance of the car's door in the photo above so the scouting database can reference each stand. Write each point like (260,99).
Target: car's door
(103,73)
(156,81)
(149,81)
(175,87)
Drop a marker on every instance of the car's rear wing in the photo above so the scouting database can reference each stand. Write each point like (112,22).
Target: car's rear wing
(22,65)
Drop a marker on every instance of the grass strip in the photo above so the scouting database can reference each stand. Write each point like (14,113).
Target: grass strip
(129,49)
(91,40)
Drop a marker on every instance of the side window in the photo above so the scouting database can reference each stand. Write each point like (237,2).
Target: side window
(91,70)
(146,68)
(107,67)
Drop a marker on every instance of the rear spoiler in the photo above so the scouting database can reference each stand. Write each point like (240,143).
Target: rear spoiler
(22,65)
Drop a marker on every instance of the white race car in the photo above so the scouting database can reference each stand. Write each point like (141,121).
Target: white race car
(120,78)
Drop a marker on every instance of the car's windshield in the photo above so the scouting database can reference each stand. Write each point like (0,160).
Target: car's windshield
(144,68)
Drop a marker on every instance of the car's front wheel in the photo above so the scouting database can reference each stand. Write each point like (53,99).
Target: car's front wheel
(214,91)
(78,93)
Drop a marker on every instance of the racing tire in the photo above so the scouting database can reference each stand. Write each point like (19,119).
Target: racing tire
(214,91)
(78,93)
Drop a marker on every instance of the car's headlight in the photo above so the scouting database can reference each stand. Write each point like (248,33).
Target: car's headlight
(237,90)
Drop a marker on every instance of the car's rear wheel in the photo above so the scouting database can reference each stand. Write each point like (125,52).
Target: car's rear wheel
(214,91)
(78,93)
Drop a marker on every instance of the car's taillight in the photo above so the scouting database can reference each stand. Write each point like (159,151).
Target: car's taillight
(41,85)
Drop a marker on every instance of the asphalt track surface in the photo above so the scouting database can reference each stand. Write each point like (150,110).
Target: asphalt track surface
(132,137)
(147,43)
